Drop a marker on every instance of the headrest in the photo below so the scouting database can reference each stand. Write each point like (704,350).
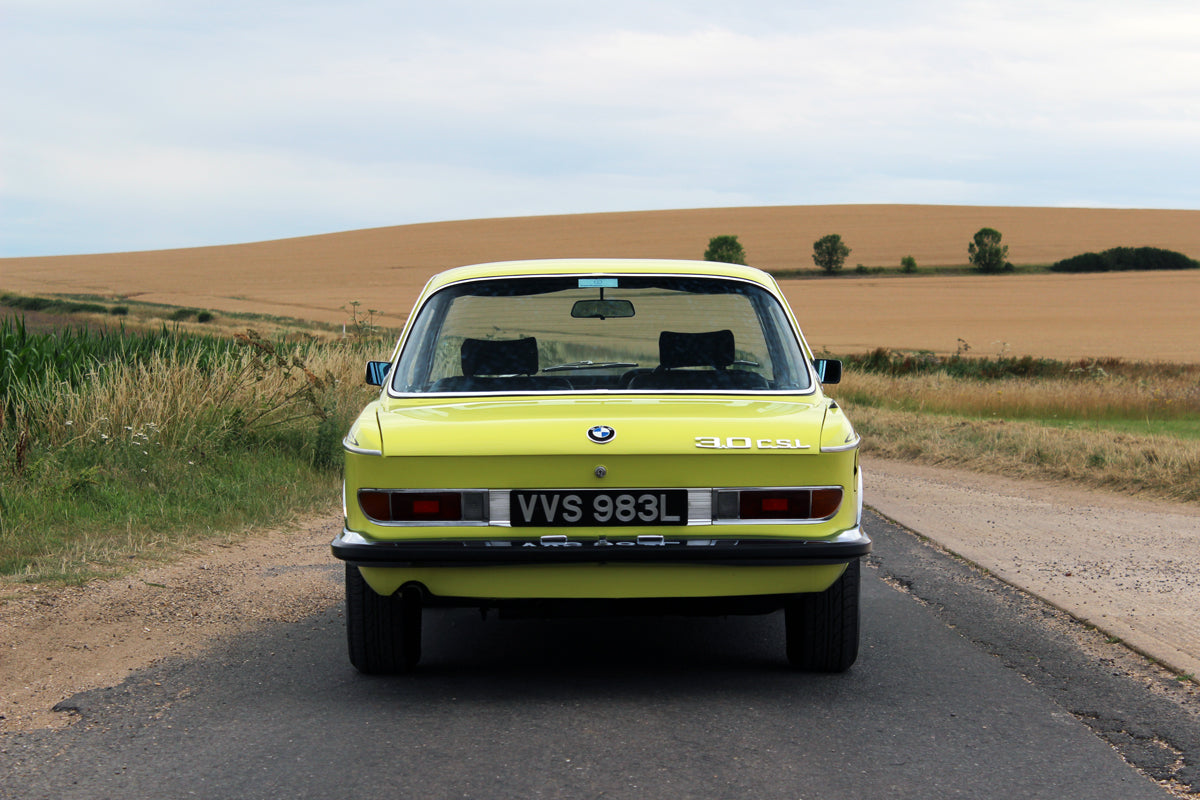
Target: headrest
(711,349)
(500,356)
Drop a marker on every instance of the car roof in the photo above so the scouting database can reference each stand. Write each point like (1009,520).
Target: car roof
(600,266)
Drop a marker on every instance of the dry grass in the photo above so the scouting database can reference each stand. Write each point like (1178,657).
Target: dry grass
(1093,395)
(180,405)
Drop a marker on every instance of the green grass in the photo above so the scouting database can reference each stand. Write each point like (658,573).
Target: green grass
(1187,428)
(96,512)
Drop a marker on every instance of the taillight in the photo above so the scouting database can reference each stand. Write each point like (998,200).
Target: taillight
(777,504)
(418,507)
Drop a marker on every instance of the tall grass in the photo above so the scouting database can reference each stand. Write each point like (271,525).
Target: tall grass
(1094,398)
(116,445)
(1132,427)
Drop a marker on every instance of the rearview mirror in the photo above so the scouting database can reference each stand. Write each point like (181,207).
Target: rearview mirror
(601,309)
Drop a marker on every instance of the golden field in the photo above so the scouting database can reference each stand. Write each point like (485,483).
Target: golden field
(1136,316)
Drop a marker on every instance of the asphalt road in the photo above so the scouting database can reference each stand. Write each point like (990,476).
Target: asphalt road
(964,688)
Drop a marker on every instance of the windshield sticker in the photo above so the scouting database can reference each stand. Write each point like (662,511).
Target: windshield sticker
(597,283)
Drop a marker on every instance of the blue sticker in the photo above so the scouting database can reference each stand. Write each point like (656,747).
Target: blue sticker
(597,283)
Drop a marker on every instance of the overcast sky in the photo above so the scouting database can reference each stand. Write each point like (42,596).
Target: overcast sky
(144,124)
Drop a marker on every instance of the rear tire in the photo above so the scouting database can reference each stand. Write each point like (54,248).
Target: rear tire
(383,633)
(822,627)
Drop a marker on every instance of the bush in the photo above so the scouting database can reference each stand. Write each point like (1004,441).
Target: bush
(883,361)
(725,249)
(829,252)
(908,264)
(1126,258)
(986,252)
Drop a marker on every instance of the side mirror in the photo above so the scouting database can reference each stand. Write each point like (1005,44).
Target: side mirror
(377,372)
(829,370)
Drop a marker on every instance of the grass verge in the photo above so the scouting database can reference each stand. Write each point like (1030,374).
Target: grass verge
(118,445)
(1114,425)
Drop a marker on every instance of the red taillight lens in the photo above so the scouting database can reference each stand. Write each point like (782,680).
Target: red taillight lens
(778,504)
(430,507)
(411,506)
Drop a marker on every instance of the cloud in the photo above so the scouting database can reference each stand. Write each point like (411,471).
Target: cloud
(153,124)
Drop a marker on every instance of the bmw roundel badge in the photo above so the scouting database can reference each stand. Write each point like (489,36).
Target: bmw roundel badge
(601,434)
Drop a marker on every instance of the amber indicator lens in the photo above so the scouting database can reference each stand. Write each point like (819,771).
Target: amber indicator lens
(826,502)
(376,505)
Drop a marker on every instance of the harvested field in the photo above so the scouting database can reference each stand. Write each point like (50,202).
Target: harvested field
(1128,315)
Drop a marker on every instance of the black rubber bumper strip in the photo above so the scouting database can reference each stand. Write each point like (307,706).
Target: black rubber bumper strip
(352,548)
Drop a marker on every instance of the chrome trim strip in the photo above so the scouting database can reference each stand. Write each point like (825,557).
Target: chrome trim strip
(499,507)
(842,448)
(700,507)
(361,451)
(858,519)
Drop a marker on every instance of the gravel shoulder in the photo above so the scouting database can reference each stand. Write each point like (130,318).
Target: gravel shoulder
(1117,562)
(1122,564)
(55,643)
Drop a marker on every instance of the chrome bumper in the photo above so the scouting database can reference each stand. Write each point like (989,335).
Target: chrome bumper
(563,549)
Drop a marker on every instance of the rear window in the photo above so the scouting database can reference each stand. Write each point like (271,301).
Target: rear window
(599,334)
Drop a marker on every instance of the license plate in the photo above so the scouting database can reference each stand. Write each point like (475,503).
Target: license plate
(586,507)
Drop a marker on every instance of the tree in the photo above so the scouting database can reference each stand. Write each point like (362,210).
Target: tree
(726,249)
(986,252)
(829,253)
(908,264)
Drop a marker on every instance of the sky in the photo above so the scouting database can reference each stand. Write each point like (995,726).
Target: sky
(148,124)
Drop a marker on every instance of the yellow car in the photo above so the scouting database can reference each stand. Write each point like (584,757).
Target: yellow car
(634,435)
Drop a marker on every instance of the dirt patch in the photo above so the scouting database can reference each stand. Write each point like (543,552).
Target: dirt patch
(55,643)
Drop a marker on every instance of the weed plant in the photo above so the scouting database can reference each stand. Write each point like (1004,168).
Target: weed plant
(118,445)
